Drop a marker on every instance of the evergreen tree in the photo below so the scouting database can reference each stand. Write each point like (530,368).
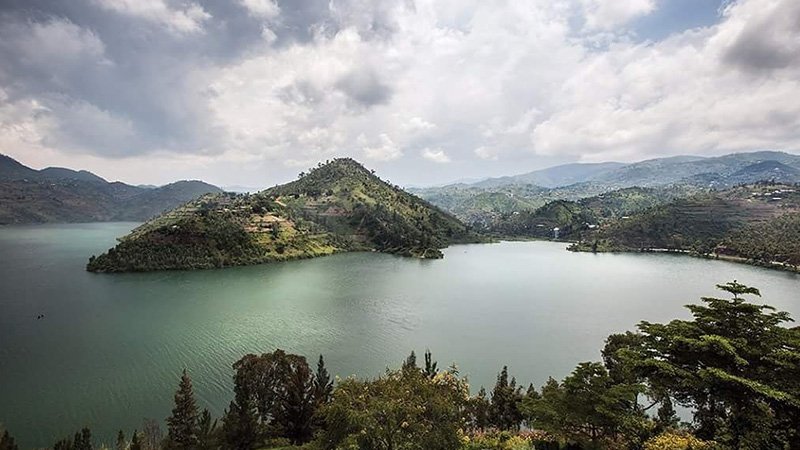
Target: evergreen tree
(121,443)
(63,444)
(207,428)
(323,385)
(7,442)
(430,365)
(182,424)
(506,399)
(135,444)
(410,362)
(479,410)
(82,440)
(240,426)
(299,405)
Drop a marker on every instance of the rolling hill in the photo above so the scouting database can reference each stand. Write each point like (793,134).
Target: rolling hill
(335,207)
(58,194)
(757,222)
(482,203)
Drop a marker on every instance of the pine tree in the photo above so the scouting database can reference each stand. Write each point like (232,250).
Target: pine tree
(207,428)
(82,440)
(240,425)
(121,443)
(299,404)
(430,365)
(7,442)
(410,362)
(506,399)
(323,385)
(480,408)
(182,424)
(135,444)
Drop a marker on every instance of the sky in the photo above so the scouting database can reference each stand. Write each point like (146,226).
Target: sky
(252,92)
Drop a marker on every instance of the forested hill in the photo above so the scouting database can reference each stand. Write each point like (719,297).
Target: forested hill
(759,222)
(57,194)
(337,206)
(485,202)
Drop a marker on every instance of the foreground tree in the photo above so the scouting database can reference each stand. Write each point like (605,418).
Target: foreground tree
(298,405)
(275,396)
(7,442)
(182,425)
(506,398)
(323,385)
(587,408)
(121,443)
(734,363)
(400,410)
(135,442)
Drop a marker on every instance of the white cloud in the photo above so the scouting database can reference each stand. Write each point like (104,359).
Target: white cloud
(683,95)
(265,9)
(600,15)
(487,153)
(517,82)
(384,150)
(435,155)
(188,19)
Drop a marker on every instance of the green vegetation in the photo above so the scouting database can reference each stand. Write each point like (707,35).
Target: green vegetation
(734,363)
(339,206)
(755,223)
(575,219)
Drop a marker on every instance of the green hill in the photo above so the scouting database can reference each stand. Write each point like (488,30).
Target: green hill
(574,218)
(335,207)
(57,194)
(757,222)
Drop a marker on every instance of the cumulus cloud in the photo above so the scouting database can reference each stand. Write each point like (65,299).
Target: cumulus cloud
(280,84)
(606,15)
(435,155)
(383,150)
(186,19)
(266,9)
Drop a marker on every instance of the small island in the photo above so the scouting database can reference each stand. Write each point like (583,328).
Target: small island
(335,207)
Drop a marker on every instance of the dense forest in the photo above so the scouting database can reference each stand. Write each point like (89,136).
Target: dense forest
(735,363)
(334,207)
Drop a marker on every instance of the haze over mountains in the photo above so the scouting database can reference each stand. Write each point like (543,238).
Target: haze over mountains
(57,194)
(484,201)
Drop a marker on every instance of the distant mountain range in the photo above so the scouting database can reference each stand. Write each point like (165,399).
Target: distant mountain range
(335,207)
(486,201)
(58,194)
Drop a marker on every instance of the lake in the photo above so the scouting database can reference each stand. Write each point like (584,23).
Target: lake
(109,350)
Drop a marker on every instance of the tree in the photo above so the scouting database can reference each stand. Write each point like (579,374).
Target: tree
(298,405)
(207,431)
(478,408)
(274,397)
(506,397)
(135,443)
(410,362)
(151,435)
(82,440)
(121,443)
(400,410)
(734,363)
(323,385)
(588,408)
(7,442)
(430,365)
(182,424)
(240,426)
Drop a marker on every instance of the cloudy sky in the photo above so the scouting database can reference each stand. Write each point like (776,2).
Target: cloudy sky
(251,92)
